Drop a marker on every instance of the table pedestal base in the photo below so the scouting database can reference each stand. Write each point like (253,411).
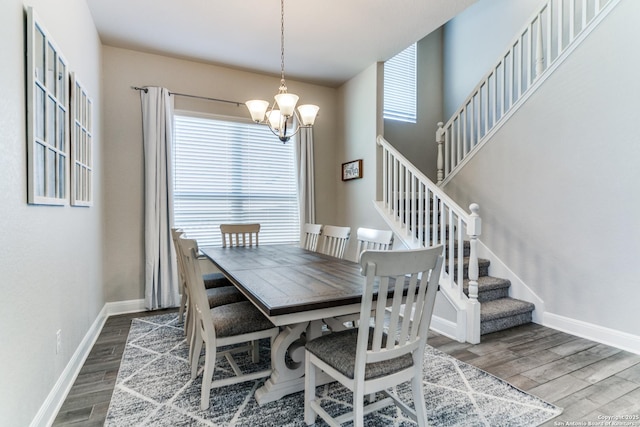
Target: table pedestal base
(287,361)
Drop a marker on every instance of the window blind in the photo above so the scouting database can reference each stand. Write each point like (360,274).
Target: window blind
(233,172)
(400,78)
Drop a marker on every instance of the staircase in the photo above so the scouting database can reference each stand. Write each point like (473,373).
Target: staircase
(497,310)
(421,214)
(419,211)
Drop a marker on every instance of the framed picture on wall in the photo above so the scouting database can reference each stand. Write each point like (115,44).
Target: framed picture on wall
(81,145)
(47,117)
(352,170)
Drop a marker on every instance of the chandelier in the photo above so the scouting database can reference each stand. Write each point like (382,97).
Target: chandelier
(279,117)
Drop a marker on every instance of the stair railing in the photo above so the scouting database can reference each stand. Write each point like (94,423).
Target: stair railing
(428,217)
(554,30)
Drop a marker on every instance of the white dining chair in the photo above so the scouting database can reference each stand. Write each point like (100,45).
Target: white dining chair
(372,359)
(216,296)
(334,240)
(370,238)
(222,326)
(310,234)
(239,234)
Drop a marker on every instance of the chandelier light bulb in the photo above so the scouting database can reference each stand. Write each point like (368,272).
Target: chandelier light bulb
(287,103)
(257,109)
(308,113)
(275,119)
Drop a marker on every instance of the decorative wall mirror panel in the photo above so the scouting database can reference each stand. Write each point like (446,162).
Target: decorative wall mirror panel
(81,145)
(47,117)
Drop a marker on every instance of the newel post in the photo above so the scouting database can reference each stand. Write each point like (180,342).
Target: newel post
(440,141)
(473,310)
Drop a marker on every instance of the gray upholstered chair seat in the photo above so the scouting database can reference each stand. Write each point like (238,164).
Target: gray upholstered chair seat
(224,295)
(215,280)
(238,318)
(338,350)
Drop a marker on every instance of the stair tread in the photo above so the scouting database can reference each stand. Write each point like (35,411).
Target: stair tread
(488,283)
(481,261)
(504,307)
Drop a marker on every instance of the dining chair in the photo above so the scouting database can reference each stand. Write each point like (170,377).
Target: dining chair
(239,234)
(222,326)
(311,232)
(370,238)
(216,296)
(380,354)
(334,240)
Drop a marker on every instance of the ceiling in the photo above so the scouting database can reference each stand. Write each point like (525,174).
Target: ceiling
(326,41)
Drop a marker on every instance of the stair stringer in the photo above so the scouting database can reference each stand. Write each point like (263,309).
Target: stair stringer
(518,288)
(450,310)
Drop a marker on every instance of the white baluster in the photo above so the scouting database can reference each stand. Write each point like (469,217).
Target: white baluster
(539,49)
(473,310)
(440,140)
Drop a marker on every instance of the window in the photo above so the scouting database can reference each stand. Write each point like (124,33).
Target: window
(233,172)
(400,77)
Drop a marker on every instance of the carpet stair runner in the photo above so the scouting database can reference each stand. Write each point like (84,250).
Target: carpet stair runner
(498,311)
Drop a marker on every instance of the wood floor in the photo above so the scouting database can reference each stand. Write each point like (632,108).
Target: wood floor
(589,380)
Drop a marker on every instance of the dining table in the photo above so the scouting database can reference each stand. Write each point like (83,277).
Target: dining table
(303,292)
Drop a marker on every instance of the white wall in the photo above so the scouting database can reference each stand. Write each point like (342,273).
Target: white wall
(360,123)
(558,184)
(417,141)
(473,42)
(50,257)
(124,251)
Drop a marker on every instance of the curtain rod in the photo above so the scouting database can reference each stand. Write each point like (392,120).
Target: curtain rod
(193,96)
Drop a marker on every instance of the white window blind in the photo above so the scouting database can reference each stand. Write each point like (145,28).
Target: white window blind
(400,77)
(233,172)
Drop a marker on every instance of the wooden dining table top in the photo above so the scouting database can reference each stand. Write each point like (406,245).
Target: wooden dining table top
(285,279)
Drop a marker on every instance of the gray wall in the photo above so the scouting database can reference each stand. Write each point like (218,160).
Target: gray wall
(360,113)
(50,257)
(124,201)
(474,41)
(558,184)
(417,141)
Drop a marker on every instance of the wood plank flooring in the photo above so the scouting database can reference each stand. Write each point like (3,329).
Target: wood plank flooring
(589,380)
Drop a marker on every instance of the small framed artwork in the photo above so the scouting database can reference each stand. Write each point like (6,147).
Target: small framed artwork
(352,170)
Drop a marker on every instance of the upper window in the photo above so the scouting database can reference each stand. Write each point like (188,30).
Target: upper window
(400,77)
(233,172)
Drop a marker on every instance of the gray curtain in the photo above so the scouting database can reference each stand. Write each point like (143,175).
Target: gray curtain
(161,281)
(304,164)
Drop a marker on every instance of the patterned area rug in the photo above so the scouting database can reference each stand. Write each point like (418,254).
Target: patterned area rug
(154,388)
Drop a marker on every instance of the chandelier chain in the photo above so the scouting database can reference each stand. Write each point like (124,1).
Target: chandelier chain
(282,41)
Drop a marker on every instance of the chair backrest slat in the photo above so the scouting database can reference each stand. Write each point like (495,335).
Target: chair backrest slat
(369,238)
(334,240)
(388,273)
(310,234)
(239,234)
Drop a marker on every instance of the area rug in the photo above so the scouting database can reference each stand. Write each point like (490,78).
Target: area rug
(154,388)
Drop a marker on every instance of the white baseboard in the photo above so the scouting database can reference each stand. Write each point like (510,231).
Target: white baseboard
(444,327)
(49,409)
(124,307)
(618,339)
